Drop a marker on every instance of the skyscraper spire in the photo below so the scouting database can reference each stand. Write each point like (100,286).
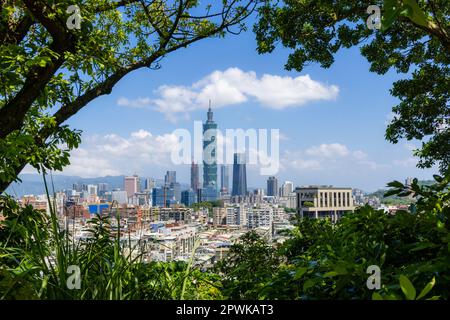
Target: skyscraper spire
(210,113)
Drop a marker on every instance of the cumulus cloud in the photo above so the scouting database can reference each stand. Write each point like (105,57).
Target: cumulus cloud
(333,156)
(359,155)
(113,154)
(234,86)
(328,150)
(136,103)
(408,162)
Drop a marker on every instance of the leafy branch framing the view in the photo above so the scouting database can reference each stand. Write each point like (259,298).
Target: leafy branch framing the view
(49,72)
(414,40)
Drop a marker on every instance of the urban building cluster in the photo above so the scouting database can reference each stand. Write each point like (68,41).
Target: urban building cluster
(169,222)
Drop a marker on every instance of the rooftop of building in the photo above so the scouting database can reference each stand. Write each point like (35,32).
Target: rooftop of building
(327,187)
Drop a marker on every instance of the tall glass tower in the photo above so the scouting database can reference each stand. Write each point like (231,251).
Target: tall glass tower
(224,179)
(272,186)
(239,175)
(210,151)
(195,183)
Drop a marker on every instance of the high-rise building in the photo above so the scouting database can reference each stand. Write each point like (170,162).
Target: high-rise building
(120,196)
(239,175)
(102,188)
(131,185)
(92,189)
(149,184)
(287,188)
(170,177)
(77,187)
(209,151)
(176,187)
(224,179)
(208,194)
(163,197)
(195,178)
(188,197)
(272,186)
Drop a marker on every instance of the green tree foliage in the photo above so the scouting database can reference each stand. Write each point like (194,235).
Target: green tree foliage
(49,72)
(248,267)
(207,205)
(415,39)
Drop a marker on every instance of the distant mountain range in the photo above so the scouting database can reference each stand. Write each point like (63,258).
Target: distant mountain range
(34,184)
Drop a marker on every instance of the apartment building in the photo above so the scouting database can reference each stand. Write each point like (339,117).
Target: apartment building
(260,217)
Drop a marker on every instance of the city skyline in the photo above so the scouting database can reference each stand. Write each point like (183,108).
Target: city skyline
(326,136)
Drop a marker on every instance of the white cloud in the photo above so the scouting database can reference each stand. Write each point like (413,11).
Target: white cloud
(359,155)
(136,103)
(284,137)
(86,163)
(336,157)
(408,162)
(332,150)
(234,86)
(112,154)
(302,164)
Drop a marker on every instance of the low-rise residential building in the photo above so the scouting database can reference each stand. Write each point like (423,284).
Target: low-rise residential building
(324,202)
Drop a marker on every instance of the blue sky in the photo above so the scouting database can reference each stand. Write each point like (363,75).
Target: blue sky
(336,140)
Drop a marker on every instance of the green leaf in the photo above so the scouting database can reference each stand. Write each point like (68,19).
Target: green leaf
(331,274)
(309,284)
(407,288)
(427,288)
(423,245)
(391,193)
(376,296)
(395,184)
(300,272)
(391,12)
(415,13)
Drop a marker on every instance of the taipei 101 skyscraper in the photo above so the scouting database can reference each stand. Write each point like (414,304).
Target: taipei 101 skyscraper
(210,151)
